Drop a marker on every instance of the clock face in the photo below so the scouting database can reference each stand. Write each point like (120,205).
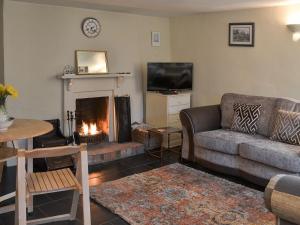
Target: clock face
(91,27)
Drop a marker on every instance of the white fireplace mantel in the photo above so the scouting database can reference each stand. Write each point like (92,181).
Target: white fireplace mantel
(118,76)
(90,86)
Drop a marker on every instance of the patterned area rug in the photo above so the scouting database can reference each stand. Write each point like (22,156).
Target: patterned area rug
(177,194)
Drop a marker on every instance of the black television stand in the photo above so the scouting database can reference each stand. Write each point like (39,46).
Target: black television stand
(169,92)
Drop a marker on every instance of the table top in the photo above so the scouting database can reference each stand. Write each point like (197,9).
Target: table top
(25,129)
(167,130)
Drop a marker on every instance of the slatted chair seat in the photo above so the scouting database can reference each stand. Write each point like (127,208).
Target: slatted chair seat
(51,181)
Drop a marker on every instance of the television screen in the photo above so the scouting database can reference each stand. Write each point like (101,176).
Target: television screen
(169,76)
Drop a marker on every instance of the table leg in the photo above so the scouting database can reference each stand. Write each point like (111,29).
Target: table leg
(1,169)
(1,165)
(161,155)
(180,151)
(30,170)
(162,149)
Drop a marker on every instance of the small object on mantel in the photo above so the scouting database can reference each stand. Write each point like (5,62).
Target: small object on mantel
(69,69)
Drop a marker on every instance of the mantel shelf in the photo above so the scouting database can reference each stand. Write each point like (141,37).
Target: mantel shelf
(106,75)
(70,77)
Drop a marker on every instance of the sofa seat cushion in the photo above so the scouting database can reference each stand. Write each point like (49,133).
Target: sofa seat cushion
(272,153)
(225,141)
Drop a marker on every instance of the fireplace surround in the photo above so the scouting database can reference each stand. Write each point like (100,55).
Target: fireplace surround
(85,90)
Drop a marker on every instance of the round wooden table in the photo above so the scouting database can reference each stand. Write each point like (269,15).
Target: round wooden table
(21,129)
(25,129)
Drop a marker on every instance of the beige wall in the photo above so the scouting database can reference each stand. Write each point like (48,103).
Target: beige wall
(271,68)
(40,40)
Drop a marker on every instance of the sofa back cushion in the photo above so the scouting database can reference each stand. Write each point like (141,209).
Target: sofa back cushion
(287,104)
(265,121)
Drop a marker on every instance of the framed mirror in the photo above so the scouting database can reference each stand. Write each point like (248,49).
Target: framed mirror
(91,62)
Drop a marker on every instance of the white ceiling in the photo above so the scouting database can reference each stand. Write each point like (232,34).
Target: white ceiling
(166,7)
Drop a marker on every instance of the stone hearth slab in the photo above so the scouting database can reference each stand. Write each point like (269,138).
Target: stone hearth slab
(105,152)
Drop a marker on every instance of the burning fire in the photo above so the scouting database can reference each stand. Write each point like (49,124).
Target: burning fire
(89,129)
(93,129)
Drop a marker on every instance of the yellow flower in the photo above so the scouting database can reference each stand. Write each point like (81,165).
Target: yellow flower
(2,89)
(10,90)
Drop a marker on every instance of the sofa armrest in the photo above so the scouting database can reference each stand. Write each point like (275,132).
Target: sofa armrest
(282,197)
(195,120)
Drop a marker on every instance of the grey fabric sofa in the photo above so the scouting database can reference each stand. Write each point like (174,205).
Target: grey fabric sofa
(207,139)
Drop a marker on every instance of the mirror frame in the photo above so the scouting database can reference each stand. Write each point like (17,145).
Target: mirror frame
(84,73)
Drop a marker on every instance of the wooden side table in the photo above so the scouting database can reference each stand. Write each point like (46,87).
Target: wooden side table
(162,132)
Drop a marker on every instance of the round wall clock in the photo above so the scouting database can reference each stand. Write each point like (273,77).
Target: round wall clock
(91,27)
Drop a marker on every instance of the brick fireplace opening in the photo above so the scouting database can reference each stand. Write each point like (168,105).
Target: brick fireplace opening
(92,119)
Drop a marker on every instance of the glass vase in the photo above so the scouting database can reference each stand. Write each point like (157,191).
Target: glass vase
(3,112)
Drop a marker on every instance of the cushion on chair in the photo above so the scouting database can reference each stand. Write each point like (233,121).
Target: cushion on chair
(276,154)
(265,120)
(226,141)
(245,118)
(287,127)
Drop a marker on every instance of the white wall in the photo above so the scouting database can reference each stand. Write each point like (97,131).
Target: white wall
(271,68)
(40,40)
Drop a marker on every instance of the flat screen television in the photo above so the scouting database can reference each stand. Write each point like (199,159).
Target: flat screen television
(169,76)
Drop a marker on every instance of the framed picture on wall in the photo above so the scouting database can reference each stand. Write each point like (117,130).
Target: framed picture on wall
(241,34)
(155,39)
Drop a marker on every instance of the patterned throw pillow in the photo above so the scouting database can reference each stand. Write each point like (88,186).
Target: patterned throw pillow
(245,118)
(287,127)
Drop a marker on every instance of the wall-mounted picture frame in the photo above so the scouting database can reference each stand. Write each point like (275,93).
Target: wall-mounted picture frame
(155,39)
(241,34)
(89,62)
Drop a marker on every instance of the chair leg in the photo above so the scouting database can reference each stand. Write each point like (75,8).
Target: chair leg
(30,170)
(16,206)
(85,188)
(30,197)
(86,209)
(20,217)
(74,206)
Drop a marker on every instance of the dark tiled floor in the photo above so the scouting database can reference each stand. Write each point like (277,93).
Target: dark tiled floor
(58,203)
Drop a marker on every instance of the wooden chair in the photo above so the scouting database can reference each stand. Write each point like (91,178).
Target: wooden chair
(30,184)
